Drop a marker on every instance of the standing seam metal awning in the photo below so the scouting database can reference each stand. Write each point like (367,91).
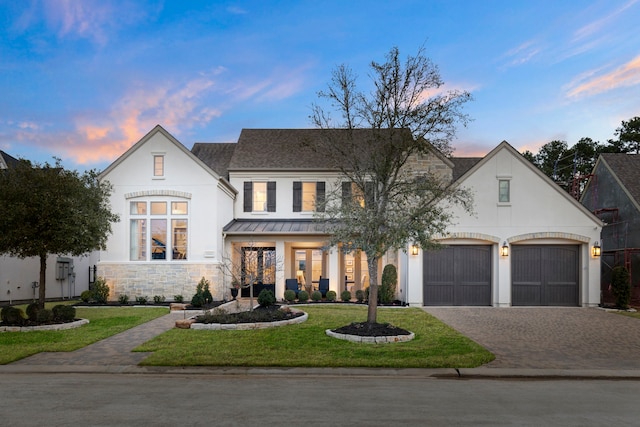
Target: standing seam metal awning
(274,226)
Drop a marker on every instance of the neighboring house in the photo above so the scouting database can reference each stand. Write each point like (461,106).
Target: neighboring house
(254,201)
(547,236)
(67,277)
(613,194)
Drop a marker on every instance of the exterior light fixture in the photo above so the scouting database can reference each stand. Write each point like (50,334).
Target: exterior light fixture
(504,250)
(596,250)
(414,250)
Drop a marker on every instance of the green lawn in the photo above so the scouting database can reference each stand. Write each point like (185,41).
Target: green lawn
(436,345)
(104,322)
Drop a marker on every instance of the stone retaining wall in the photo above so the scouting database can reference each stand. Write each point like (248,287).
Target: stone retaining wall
(165,279)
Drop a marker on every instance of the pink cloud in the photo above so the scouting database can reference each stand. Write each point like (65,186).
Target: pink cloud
(592,84)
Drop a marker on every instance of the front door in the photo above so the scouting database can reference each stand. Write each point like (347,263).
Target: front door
(258,270)
(309,267)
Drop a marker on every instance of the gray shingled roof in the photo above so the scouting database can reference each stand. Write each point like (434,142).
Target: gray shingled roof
(7,161)
(215,155)
(627,169)
(462,165)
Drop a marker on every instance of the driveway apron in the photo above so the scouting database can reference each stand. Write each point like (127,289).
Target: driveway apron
(549,337)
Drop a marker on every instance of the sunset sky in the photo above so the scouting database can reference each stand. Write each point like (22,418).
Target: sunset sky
(84,80)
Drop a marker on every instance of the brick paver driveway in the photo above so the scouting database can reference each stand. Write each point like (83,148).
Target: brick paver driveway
(549,337)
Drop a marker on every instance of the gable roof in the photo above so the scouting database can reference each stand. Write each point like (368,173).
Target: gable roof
(159,129)
(626,170)
(215,155)
(504,145)
(7,161)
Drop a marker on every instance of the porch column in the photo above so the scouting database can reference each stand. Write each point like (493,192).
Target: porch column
(282,262)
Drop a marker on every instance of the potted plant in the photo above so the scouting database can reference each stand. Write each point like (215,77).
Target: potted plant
(235,286)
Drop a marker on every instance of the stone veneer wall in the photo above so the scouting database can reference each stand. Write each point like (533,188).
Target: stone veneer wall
(166,279)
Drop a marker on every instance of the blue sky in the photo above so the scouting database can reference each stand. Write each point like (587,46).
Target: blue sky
(83,80)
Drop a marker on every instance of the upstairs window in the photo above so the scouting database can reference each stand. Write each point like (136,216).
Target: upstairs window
(158,165)
(308,196)
(259,196)
(504,191)
(352,193)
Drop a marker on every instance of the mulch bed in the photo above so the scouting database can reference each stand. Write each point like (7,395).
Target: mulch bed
(365,329)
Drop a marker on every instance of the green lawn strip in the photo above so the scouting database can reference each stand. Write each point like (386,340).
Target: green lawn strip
(436,345)
(630,314)
(104,322)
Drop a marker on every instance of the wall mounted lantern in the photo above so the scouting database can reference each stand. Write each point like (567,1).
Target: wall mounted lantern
(504,250)
(414,249)
(596,250)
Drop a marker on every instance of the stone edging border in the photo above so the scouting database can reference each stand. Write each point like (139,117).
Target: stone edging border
(249,326)
(56,327)
(371,340)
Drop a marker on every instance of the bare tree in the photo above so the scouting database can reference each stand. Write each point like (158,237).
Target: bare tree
(242,268)
(385,203)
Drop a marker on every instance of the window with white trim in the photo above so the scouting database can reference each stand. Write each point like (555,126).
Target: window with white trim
(158,165)
(504,191)
(158,230)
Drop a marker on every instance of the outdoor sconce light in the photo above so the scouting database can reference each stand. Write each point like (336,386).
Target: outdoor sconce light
(414,250)
(504,250)
(596,250)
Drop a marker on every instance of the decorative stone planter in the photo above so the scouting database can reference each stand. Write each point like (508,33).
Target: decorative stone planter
(371,340)
(248,326)
(56,327)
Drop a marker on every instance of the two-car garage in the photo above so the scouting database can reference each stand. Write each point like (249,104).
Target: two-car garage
(541,275)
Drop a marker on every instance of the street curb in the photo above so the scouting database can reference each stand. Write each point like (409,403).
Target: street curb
(444,373)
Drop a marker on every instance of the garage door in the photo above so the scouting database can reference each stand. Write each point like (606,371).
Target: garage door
(457,275)
(545,275)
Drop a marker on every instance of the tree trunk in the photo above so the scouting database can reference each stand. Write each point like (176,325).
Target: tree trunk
(43,275)
(372,312)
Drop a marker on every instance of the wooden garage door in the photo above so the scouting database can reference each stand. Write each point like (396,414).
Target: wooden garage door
(545,275)
(457,275)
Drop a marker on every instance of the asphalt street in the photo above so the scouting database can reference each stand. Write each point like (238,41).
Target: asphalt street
(28,399)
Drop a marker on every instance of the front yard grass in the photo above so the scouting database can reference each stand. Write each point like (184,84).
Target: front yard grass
(436,345)
(104,322)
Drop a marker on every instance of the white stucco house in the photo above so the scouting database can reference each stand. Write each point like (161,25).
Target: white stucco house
(66,276)
(185,213)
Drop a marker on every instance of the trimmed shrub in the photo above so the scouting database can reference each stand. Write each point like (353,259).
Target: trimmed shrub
(100,290)
(178,298)
(86,296)
(44,316)
(359,295)
(158,299)
(303,296)
(142,300)
(345,296)
(123,299)
(387,291)
(32,311)
(266,298)
(331,295)
(621,286)
(289,295)
(13,316)
(64,313)
(203,294)
(316,296)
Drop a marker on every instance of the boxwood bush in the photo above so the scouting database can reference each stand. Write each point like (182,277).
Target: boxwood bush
(266,298)
(289,295)
(331,295)
(345,296)
(303,296)
(316,296)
